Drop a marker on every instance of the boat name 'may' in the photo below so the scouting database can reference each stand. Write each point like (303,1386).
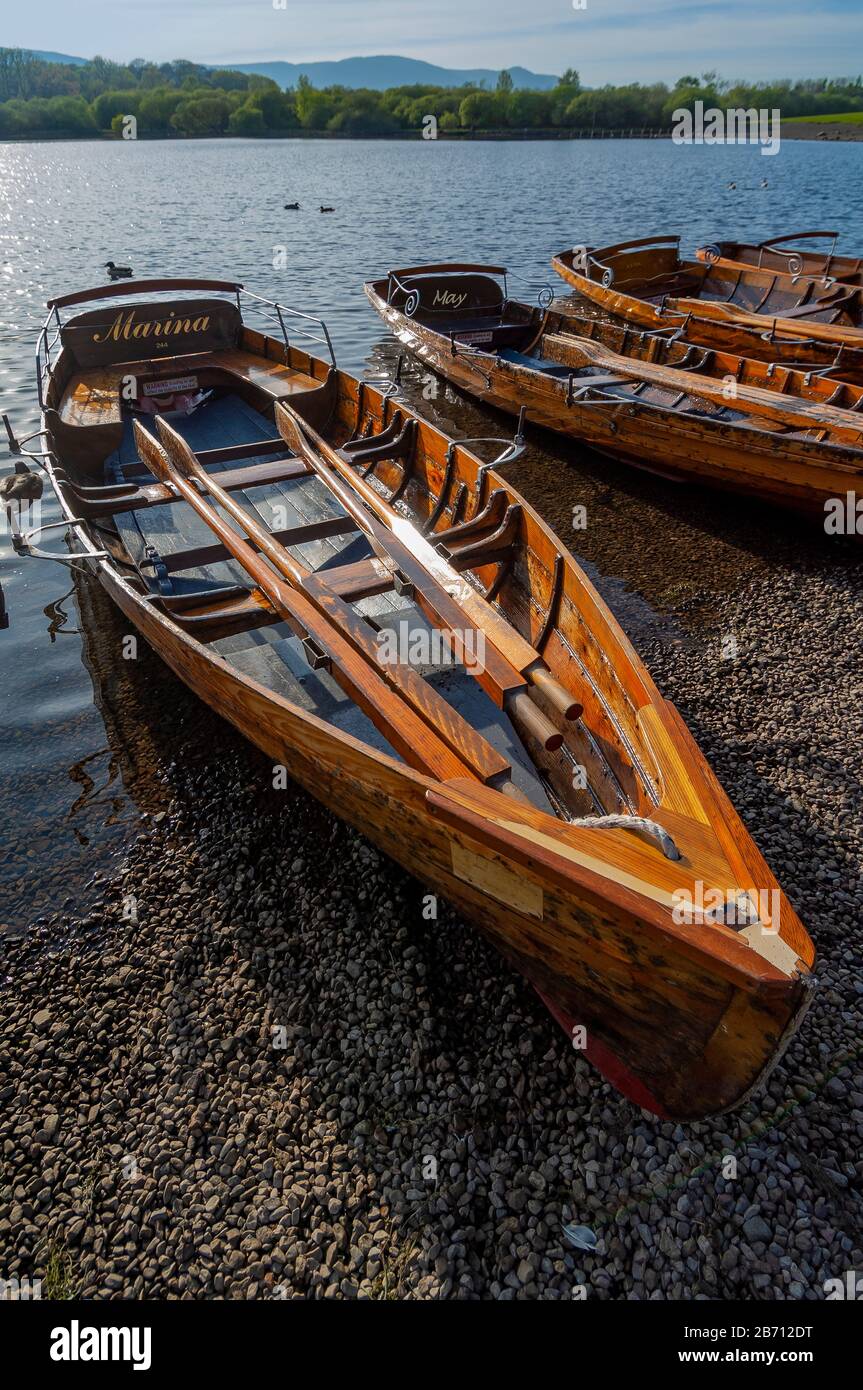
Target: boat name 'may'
(124,326)
(449,298)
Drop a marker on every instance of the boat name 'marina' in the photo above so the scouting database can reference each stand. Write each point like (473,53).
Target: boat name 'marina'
(124,326)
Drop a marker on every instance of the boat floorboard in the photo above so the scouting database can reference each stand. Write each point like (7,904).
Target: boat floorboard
(277,662)
(176,527)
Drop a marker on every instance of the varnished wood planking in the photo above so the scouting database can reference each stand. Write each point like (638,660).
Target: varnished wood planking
(575,966)
(776,254)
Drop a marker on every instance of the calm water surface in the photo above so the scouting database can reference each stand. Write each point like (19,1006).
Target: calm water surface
(84,743)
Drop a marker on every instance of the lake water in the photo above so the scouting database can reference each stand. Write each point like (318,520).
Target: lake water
(84,746)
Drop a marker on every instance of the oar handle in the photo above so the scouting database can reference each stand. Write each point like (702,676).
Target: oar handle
(530,720)
(556,694)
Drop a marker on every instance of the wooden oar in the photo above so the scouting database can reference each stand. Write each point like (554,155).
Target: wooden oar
(788,410)
(511,662)
(412,698)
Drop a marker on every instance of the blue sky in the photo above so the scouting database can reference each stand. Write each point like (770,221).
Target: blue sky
(607,40)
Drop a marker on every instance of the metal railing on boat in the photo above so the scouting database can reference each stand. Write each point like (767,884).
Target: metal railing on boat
(545,293)
(279,317)
(270,310)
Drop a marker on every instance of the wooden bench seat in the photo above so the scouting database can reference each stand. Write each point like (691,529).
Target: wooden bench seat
(273,377)
(93,397)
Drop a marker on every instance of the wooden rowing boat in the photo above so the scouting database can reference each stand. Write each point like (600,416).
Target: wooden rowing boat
(648,397)
(274,528)
(786,254)
(638,280)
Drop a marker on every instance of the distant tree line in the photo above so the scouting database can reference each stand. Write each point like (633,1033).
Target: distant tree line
(184,99)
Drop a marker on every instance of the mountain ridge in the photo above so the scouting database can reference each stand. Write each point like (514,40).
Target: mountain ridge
(375,71)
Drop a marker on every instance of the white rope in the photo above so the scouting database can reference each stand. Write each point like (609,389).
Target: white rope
(640,823)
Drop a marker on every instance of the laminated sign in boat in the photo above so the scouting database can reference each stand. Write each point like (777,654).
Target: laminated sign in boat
(296,544)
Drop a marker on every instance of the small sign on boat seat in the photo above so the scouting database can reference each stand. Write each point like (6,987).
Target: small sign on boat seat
(167,388)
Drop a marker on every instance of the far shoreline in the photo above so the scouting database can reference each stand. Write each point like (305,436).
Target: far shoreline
(847,131)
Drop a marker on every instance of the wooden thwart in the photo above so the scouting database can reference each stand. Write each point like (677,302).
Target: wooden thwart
(94,502)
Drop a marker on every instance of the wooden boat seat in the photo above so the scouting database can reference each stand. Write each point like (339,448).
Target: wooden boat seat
(93,397)
(831,308)
(218,612)
(274,378)
(361,579)
(602,380)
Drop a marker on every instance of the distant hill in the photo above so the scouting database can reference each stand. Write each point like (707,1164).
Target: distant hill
(56,57)
(378,73)
(385,71)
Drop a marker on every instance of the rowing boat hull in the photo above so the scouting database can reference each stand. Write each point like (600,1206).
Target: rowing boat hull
(796,474)
(674,1036)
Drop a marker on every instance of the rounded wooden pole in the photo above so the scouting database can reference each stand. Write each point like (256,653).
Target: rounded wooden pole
(556,694)
(529,717)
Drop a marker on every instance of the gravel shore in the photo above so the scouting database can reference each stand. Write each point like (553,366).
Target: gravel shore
(254,1069)
(821,130)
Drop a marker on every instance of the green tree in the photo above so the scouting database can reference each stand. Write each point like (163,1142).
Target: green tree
(504,81)
(528,109)
(361,113)
(110,104)
(277,108)
(482,111)
(247,120)
(202,115)
(155,109)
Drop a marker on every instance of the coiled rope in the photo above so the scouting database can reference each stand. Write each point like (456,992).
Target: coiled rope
(647,827)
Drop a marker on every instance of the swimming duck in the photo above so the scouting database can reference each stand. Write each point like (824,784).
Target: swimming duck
(117,272)
(21,486)
(292,207)
(732,185)
(323,209)
(764,183)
